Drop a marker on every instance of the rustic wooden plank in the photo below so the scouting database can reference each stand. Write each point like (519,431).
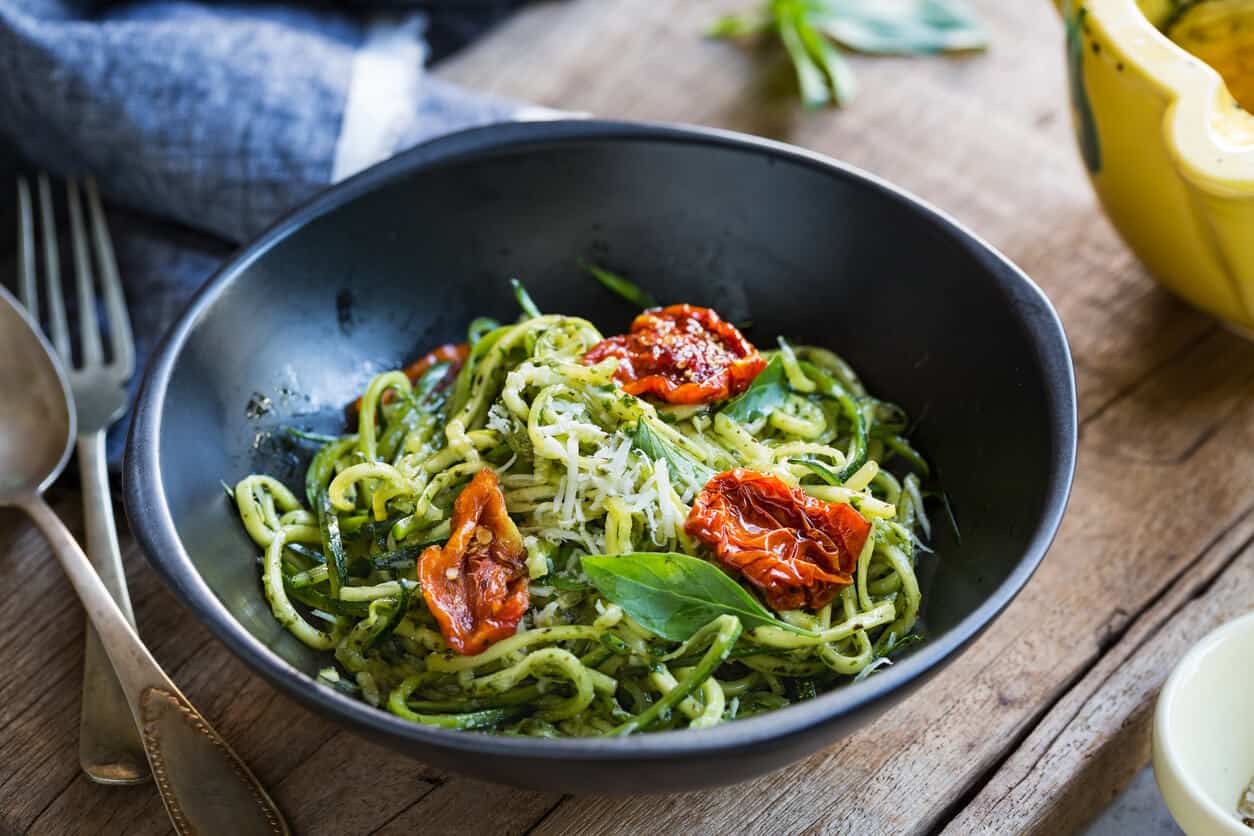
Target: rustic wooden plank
(987,139)
(322,772)
(367,786)
(463,805)
(290,749)
(1098,737)
(38,689)
(134,811)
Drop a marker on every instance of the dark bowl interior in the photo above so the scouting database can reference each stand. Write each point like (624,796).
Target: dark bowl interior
(405,255)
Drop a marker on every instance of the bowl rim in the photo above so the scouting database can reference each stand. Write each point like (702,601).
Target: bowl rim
(154,528)
(1166,756)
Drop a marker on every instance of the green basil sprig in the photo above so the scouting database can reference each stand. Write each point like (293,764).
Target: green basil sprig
(768,392)
(685,469)
(674,595)
(811,29)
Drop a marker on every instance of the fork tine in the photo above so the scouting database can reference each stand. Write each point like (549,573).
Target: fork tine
(52,262)
(88,326)
(115,302)
(26,249)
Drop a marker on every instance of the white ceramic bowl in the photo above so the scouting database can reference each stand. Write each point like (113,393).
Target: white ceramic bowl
(1204,732)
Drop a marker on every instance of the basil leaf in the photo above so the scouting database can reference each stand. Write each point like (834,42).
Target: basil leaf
(685,470)
(770,390)
(674,595)
(899,27)
(615,283)
(767,393)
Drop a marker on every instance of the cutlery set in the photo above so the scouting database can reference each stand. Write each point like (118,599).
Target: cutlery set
(135,721)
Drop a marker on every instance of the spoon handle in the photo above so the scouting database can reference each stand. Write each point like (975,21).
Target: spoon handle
(205,786)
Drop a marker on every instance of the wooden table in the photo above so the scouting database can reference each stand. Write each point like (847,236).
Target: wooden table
(1034,728)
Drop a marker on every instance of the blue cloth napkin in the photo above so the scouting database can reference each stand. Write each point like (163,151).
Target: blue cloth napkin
(204,122)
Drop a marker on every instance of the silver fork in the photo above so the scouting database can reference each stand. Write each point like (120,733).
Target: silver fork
(109,747)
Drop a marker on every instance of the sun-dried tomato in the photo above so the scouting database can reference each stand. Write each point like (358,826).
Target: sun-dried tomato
(800,551)
(452,353)
(682,354)
(476,584)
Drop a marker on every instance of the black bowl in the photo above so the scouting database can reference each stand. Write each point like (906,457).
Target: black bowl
(403,256)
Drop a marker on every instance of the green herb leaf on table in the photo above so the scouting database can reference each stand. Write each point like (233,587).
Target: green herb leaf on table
(674,595)
(900,27)
(811,29)
(739,26)
(837,73)
(822,74)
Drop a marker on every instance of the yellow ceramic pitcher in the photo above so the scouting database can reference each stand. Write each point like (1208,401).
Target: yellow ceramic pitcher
(1169,150)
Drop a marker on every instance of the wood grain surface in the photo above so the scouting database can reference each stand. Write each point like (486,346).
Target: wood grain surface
(1029,717)
(1098,736)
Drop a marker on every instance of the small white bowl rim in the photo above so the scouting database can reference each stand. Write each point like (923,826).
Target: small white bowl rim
(1164,745)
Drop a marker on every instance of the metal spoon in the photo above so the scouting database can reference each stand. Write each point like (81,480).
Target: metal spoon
(205,786)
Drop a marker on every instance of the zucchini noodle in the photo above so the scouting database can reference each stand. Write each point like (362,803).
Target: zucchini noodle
(585,469)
